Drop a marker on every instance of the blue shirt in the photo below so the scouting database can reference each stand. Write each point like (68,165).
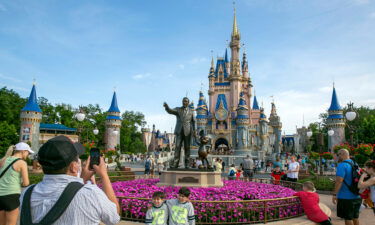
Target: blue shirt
(344,170)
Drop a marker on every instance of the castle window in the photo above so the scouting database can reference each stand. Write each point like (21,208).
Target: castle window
(26,130)
(25,137)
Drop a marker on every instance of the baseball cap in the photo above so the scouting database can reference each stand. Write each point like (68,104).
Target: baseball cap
(59,152)
(22,146)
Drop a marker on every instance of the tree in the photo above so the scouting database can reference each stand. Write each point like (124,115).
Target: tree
(131,137)
(10,107)
(363,125)
(8,136)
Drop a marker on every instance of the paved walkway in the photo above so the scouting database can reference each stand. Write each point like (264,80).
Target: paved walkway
(366,216)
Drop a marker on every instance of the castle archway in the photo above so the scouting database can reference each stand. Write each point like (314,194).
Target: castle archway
(221,146)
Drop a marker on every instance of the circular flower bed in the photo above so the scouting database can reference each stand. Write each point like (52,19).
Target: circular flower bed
(232,190)
(236,202)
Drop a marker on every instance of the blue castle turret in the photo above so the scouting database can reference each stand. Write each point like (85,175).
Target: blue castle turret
(202,113)
(31,116)
(242,122)
(113,125)
(276,125)
(335,122)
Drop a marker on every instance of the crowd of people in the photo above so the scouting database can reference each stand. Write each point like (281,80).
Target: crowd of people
(69,183)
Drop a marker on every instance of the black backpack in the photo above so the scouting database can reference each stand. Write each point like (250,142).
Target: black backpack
(56,211)
(356,174)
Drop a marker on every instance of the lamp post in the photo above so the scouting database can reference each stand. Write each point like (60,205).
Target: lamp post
(80,116)
(96,131)
(309,133)
(320,143)
(351,115)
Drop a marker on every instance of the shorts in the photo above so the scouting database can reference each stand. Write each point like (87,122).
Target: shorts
(9,202)
(147,171)
(247,173)
(291,179)
(348,209)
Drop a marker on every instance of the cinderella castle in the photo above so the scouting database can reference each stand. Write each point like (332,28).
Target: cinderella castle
(233,118)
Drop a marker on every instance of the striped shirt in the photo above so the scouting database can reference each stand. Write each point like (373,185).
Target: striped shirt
(89,206)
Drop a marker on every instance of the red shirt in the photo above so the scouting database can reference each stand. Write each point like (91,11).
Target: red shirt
(277,175)
(310,203)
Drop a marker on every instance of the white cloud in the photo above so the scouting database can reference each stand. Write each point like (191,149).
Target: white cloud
(141,76)
(9,78)
(181,66)
(163,122)
(14,87)
(325,89)
(198,60)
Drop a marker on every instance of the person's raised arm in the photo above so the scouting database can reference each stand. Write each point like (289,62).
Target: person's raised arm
(101,170)
(169,110)
(365,184)
(24,174)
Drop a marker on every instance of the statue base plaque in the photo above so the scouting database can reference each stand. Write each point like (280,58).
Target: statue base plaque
(190,178)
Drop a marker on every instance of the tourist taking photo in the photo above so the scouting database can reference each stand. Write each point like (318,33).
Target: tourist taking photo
(79,201)
(12,168)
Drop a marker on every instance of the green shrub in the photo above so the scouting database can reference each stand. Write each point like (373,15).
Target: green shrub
(322,183)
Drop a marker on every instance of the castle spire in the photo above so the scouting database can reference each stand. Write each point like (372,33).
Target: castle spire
(32,102)
(255,103)
(226,55)
(335,106)
(235,31)
(114,107)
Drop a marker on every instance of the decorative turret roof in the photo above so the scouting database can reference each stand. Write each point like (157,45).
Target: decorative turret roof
(262,115)
(242,109)
(212,68)
(273,109)
(244,62)
(221,63)
(242,102)
(32,102)
(255,103)
(191,105)
(335,106)
(114,107)
(201,103)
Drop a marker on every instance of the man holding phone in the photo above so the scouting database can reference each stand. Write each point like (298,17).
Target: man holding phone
(78,203)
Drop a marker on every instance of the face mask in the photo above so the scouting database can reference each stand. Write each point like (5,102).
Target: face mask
(79,168)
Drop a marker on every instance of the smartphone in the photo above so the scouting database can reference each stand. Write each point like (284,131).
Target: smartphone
(94,157)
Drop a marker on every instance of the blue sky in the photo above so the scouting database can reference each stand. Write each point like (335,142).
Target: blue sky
(155,51)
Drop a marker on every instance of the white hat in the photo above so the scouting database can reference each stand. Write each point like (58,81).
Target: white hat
(22,146)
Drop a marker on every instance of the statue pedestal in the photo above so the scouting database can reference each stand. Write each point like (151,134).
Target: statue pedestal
(190,178)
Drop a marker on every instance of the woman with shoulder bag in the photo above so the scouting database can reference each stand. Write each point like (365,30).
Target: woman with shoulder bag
(13,167)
